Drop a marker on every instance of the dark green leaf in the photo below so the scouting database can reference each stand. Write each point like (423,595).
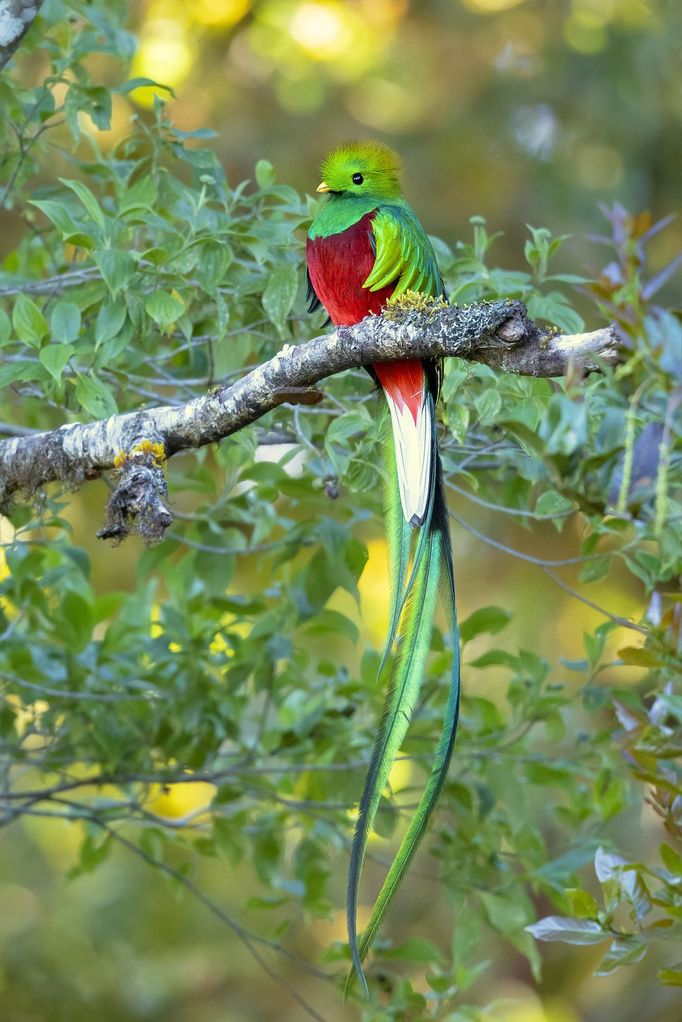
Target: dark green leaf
(279,295)
(117,268)
(54,357)
(95,397)
(28,321)
(484,620)
(65,322)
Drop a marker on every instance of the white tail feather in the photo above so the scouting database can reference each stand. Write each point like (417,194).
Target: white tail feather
(412,441)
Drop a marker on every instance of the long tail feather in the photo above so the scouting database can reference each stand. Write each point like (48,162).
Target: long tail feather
(439,770)
(398,536)
(399,543)
(412,617)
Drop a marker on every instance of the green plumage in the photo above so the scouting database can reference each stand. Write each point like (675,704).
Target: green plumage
(404,254)
(413,605)
(363,178)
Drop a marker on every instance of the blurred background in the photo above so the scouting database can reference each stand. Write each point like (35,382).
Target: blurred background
(519,110)
(523,111)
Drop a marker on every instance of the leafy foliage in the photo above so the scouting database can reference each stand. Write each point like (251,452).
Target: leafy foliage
(229,658)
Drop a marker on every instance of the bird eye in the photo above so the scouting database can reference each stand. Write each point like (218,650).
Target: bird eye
(358,179)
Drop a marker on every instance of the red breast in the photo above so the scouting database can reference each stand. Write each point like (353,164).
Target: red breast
(339,265)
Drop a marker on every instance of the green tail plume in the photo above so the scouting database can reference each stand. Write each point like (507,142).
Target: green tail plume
(413,608)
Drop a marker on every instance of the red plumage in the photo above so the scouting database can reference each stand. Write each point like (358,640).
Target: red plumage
(338,266)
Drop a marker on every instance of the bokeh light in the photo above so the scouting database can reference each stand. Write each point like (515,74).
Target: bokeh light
(322,30)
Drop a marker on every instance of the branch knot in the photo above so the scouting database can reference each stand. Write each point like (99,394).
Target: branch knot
(139,498)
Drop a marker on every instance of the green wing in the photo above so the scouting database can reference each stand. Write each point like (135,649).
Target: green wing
(404,254)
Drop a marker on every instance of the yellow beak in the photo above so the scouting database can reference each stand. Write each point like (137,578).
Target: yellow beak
(323,187)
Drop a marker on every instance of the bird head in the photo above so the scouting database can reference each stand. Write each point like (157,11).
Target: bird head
(362,169)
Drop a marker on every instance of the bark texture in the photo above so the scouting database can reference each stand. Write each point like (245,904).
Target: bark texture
(16,17)
(499,334)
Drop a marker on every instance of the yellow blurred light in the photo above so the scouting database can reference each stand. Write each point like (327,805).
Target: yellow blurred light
(516,1003)
(374,592)
(219,645)
(220,13)
(165,55)
(155,629)
(584,32)
(27,715)
(386,105)
(383,10)
(400,776)
(634,13)
(595,12)
(599,166)
(321,30)
(185,799)
(492,6)
(7,534)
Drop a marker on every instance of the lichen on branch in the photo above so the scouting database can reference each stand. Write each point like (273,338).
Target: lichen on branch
(498,333)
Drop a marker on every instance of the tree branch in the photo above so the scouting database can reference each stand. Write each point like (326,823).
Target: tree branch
(16,17)
(499,334)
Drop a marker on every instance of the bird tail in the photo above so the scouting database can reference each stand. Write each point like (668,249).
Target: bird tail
(413,606)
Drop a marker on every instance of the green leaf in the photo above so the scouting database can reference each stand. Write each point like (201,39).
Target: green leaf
(626,950)
(582,903)
(569,931)
(279,295)
(216,258)
(486,619)
(110,320)
(75,621)
(93,851)
(21,371)
(671,977)
(488,404)
(95,397)
(65,322)
(639,656)
(116,266)
(28,321)
(60,217)
(415,949)
(555,308)
(5,327)
(506,912)
(265,174)
(595,569)
(346,426)
(671,859)
(164,309)
(141,83)
(87,198)
(54,357)
(551,503)
(496,658)
(141,195)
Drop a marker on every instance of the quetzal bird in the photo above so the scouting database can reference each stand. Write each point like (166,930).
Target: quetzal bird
(365,246)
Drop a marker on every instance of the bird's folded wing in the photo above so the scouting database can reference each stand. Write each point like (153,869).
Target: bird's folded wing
(404,256)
